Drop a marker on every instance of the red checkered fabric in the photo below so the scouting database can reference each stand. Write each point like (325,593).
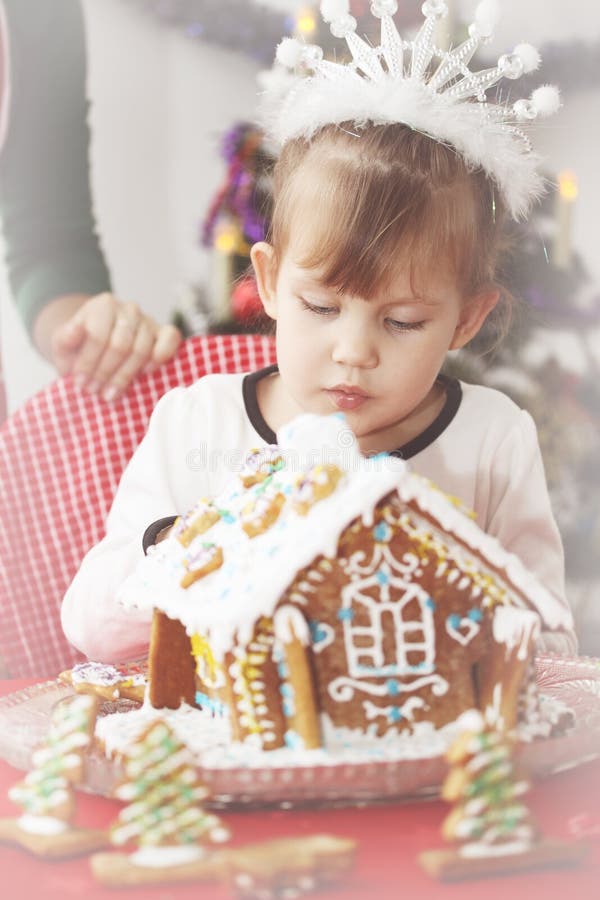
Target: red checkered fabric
(61,458)
(2,395)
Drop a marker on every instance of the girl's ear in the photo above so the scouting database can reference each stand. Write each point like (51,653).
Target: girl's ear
(265,270)
(474,315)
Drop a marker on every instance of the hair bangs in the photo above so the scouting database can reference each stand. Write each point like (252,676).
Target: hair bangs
(357,206)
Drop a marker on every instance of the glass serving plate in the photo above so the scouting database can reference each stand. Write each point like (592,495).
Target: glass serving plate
(24,719)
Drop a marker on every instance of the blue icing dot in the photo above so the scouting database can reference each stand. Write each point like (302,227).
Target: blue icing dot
(345,615)
(430,603)
(395,715)
(293,740)
(392,687)
(382,577)
(288,708)
(475,615)
(454,620)
(282,670)
(286,690)
(317,633)
(227,517)
(382,532)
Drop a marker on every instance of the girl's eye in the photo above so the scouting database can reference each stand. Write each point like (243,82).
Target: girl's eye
(404,326)
(319,310)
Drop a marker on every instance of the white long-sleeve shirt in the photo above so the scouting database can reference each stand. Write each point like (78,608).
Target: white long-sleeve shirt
(481,449)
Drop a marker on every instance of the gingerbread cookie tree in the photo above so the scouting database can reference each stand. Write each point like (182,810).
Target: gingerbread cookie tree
(46,794)
(164,816)
(492,828)
(482,784)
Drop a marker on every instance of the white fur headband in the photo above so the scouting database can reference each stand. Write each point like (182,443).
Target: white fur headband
(399,81)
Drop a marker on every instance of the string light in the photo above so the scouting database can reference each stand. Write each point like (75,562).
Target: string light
(306,22)
(226,239)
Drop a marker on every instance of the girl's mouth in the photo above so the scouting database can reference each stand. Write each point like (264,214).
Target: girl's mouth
(346,397)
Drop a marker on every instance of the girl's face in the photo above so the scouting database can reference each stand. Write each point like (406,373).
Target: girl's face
(375,360)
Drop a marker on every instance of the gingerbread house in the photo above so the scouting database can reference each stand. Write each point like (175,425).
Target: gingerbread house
(325,597)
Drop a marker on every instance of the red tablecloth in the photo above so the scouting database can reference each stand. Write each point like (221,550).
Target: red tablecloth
(389,839)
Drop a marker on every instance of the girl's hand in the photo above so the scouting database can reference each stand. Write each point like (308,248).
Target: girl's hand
(106,343)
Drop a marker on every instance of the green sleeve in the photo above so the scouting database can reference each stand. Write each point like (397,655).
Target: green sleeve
(51,246)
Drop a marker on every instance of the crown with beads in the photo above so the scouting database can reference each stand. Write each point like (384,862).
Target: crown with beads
(415,82)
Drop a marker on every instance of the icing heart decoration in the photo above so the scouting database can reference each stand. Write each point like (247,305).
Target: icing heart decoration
(464,629)
(321,634)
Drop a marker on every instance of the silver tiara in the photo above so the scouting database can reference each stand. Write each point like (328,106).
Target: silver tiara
(415,82)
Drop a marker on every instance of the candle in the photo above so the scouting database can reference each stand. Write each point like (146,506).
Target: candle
(566,196)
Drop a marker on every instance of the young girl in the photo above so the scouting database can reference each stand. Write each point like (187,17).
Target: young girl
(382,257)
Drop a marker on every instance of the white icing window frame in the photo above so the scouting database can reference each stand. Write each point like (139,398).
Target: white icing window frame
(353,594)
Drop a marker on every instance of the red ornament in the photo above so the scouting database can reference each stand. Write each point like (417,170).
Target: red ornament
(246,305)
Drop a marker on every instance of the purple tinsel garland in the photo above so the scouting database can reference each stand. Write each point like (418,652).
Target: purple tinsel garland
(238,195)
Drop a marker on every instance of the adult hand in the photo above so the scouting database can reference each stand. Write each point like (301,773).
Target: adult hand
(104,342)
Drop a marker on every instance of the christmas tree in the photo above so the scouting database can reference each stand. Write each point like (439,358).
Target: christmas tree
(164,794)
(58,764)
(485,789)
(46,794)
(239,216)
(163,816)
(490,827)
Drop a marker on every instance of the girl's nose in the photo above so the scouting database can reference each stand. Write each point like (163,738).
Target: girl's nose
(355,345)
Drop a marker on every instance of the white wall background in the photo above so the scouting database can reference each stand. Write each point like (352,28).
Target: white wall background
(160,105)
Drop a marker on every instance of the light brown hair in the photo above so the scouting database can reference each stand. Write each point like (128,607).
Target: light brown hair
(381,196)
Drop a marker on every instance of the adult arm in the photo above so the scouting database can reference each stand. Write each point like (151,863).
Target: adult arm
(56,268)
(52,249)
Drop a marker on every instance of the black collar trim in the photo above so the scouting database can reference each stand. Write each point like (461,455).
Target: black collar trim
(451,406)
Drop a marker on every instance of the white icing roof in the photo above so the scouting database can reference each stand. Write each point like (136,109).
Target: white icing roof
(226,604)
